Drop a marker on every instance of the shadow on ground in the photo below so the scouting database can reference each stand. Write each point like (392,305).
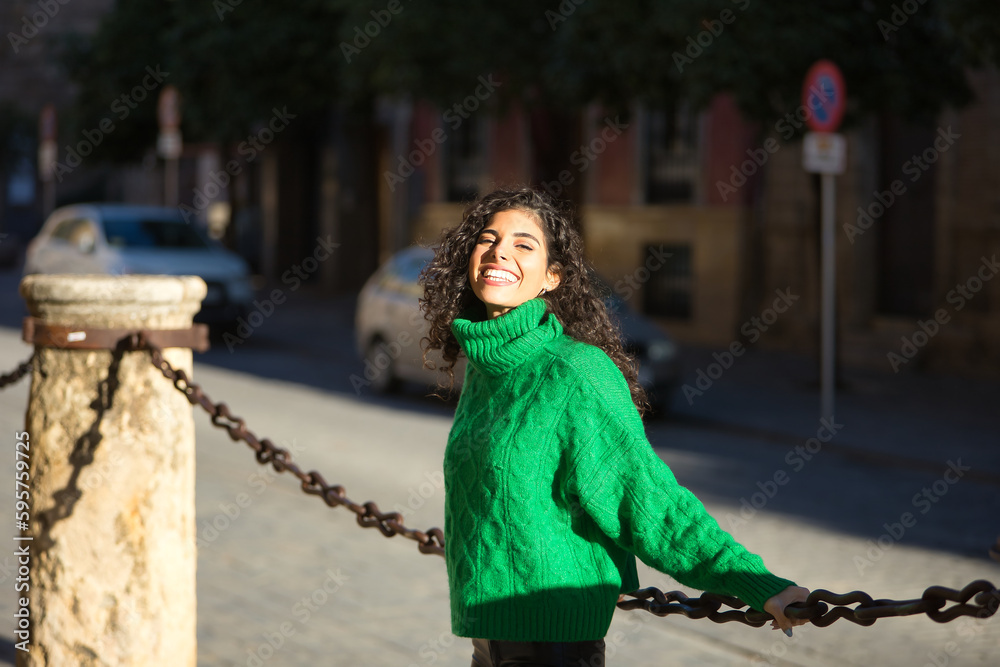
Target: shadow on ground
(864,482)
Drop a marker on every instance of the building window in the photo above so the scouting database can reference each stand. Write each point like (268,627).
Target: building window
(464,159)
(668,292)
(671,154)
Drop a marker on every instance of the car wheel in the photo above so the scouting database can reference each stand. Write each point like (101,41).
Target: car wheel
(380,368)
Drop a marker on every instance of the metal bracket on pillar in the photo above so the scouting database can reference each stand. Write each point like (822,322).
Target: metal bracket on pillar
(38,333)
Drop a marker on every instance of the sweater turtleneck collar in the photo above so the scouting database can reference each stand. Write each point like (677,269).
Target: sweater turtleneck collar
(495,346)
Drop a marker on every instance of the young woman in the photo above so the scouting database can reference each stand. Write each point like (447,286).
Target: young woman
(551,487)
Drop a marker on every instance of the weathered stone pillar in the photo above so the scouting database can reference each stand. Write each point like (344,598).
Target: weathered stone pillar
(112,559)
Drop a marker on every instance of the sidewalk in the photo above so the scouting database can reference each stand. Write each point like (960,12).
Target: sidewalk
(908,417)
(836,523)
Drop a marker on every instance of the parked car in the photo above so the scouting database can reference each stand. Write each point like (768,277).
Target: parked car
(118,239)
(389,326)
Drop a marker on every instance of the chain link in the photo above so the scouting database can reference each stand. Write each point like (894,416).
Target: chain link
(817,610)
(368,514)
(984,596)
(18,373)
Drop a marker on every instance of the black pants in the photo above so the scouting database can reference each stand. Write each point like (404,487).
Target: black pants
(491,653)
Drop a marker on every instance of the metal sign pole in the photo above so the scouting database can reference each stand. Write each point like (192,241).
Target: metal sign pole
(48,196)
(47,157)
(828,290)
(170,181)
(824,152)
(169,144)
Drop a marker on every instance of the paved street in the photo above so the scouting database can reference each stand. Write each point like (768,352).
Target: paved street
(284,580)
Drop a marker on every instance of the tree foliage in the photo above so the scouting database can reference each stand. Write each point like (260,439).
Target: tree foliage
(235,60)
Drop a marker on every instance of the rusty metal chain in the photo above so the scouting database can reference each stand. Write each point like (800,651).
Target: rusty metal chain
(984,595)
(368,514)
(817,610)
(16,374)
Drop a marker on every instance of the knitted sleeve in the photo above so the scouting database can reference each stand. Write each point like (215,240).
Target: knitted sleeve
(634,498)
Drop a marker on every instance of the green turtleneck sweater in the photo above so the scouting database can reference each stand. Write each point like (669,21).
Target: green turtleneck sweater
(552,489)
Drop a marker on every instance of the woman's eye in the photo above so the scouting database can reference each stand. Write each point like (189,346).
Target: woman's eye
(490,239)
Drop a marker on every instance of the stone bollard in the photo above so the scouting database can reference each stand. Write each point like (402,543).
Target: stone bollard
(112,554)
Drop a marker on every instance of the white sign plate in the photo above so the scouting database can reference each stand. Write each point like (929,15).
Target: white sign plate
(824,153)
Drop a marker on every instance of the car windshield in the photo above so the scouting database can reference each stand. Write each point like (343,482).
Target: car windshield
(408,266)
(152,233)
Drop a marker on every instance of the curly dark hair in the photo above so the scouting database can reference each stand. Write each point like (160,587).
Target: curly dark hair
(576,302)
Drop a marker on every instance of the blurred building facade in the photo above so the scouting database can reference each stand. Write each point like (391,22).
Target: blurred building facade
(699,219)
(30,78)
(703,220)
(270,207)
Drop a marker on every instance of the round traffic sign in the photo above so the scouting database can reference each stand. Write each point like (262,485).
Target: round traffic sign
(825,96)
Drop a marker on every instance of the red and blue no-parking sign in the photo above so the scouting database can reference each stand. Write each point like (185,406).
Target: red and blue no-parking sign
(825,96)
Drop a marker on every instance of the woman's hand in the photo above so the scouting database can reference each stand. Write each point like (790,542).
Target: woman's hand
(775,606)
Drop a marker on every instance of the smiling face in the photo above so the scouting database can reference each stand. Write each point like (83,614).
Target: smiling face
(510,263)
